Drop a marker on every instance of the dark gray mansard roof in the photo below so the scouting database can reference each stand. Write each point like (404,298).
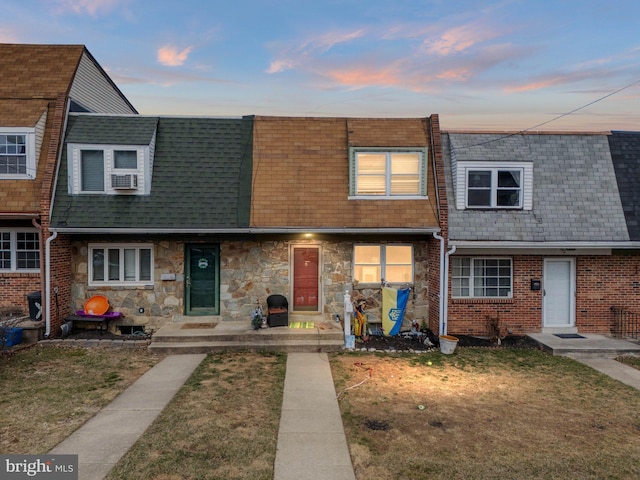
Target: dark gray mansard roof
(201,175)
(575,194)
(625,151)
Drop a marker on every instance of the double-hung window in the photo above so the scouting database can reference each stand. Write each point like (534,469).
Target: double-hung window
(494,188)
(481,277)
(17,153)
(378,263)
(382,173)
(19,251)
(124,264)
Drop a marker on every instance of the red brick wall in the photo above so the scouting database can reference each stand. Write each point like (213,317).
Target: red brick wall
(434,244)
(15,286)
(601,282)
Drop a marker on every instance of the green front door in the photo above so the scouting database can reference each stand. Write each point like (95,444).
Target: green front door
(202,280)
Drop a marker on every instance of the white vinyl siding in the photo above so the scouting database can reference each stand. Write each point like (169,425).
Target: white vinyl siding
(91,168)
(92,90)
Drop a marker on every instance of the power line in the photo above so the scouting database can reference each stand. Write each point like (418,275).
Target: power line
(553,119)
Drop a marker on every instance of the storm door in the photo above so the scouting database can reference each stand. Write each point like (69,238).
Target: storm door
(306,279)
(559,280)
(202,279)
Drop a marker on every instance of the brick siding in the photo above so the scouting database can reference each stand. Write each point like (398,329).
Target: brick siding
(602,282)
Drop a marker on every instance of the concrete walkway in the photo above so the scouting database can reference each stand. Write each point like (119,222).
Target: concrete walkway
(311,440)
(104,439)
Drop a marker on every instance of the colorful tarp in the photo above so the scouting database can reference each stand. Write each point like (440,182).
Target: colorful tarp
(394,304)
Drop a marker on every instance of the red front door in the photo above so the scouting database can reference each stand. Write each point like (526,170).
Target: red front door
(305,279)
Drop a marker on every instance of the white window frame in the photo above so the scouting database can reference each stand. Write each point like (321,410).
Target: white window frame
(121,247)
(383,263)
(388,152)
(13,250)
(74,161)
(461,171)
(471,278)
(30,144)
(493,204)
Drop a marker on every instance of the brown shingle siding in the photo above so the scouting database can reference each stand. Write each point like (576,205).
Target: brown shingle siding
(301,173)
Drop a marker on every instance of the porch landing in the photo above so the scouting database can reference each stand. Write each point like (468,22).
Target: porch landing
(204,335)
(591,346)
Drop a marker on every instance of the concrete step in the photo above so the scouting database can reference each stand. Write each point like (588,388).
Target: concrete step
(205,337)
(289,346)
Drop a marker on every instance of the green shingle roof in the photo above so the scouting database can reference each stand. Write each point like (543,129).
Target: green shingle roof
(201,175)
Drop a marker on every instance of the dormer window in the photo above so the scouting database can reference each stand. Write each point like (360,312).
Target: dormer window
(398,173)
(108,169)
(494,188)
(494,185)
(17,153)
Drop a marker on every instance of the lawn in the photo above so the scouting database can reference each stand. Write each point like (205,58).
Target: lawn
(476,414)
(223,424)
(47,393)
(485,414)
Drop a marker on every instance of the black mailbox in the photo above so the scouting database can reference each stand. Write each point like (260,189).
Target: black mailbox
(535,284)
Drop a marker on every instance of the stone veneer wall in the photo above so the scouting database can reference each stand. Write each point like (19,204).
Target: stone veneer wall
(249,272)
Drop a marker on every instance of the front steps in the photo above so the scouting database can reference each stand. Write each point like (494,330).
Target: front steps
(205,337)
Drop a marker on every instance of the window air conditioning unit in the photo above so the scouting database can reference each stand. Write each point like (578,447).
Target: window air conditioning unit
(128,181)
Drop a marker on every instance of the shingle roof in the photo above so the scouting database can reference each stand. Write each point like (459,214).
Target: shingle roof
(575,195)
(201,175)
(625,151)
(30,71)
(108,130)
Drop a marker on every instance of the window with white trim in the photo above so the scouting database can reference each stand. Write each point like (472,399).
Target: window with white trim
(121,264)
(108,169)
(388,173)
(378,263)
(494,188)
(481,277)
(19,251)
(17,153)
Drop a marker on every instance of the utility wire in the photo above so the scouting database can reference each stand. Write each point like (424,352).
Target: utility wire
(552,120)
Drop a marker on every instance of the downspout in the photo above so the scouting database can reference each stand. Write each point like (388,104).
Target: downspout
(446,286)
(42,273)
(47,330)
(441,294)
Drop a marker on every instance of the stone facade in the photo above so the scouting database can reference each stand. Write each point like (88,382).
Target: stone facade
(249,272)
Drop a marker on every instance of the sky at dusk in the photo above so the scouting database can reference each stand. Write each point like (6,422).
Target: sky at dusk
(480,65)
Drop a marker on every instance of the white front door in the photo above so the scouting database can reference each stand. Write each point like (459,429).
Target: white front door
(559,283)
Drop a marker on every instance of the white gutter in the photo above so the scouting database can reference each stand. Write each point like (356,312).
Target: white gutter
(446,287)
(47,311)
(442,294)
(541,245)
(444,284)
(285,230)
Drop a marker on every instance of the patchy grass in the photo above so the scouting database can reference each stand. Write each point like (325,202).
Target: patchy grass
(487,414)
(223,423)
(49,392)
(630,361)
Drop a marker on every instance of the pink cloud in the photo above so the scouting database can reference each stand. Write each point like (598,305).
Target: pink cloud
(363,76)
(170,56)
(92,7)
(459,39)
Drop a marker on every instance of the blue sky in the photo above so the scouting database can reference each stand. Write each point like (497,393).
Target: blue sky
(506,64)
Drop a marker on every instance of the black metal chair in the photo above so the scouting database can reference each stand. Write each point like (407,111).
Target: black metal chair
(277,311)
